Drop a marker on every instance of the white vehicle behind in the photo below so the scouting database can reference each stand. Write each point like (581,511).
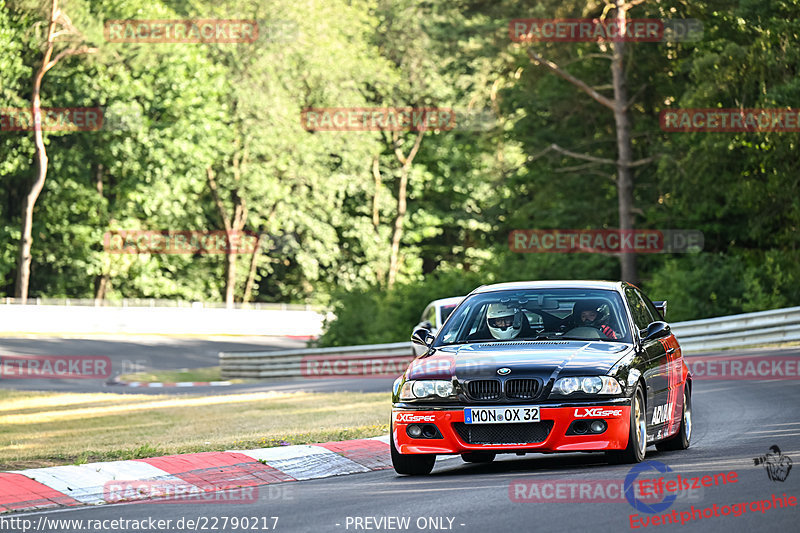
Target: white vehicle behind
(434,316)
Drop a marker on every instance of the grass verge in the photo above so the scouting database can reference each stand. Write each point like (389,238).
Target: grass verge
(210,373)
(50,428)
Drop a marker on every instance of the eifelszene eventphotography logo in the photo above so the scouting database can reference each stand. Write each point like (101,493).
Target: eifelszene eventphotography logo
(775,463)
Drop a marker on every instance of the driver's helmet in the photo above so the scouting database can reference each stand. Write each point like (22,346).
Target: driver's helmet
(589,313)
(504,323)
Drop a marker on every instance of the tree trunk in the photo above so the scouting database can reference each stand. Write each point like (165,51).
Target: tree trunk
(100,288)
(251,274)
(101,281)
(397,233)
(624,147)
(619,106)
(26,240)
(230,276)
(233,230)
(376,175)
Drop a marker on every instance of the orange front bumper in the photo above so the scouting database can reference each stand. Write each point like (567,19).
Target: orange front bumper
(615,437)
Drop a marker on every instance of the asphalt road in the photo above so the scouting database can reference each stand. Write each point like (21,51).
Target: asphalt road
(134,353)
(734,422)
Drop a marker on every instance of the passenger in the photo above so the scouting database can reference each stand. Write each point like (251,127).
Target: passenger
(589,314)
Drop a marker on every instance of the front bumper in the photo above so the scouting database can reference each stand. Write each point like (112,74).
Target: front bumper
(553,430)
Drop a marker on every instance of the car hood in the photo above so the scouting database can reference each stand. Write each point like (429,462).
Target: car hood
(540,359)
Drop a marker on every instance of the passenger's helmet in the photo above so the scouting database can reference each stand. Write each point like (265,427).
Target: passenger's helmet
(583,310)
(504,323)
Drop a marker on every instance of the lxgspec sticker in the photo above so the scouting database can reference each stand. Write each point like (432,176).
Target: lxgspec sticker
(661,413)
(411,417)
(597,412)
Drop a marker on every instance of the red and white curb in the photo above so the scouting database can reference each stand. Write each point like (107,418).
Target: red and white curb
(64,486)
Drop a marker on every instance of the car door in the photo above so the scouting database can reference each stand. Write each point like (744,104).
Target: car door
(674,373)
(655,364)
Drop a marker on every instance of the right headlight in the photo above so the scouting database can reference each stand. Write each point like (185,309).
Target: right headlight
(587,385)
(429,388)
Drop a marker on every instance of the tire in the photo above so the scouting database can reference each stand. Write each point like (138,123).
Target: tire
(682,439)
(637,435)
(410,464)
(478,457)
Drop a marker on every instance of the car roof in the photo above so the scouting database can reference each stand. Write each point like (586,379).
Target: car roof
(551,284)
(447,301)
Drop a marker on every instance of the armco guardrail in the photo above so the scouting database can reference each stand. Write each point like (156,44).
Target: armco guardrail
(346,361)
(766,327)
(749,329)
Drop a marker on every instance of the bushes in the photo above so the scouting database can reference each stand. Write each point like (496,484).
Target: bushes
(696,286)
(708,285)
(377,316)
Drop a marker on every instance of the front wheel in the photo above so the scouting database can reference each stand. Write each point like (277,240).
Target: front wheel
(682,439)
(410,464)
(637,436)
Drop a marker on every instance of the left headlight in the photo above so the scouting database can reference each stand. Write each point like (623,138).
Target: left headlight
(432,388)
(587,385)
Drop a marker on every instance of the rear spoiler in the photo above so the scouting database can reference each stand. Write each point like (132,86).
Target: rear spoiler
(662,308)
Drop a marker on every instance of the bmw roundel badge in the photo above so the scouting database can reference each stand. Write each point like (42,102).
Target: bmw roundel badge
(504,371)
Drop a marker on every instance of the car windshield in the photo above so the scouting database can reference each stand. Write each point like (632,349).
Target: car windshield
(538,314)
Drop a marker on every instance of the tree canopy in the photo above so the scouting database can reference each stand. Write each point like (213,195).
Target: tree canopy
(208,136)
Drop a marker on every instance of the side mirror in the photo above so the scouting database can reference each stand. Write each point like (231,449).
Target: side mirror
(422,337)
(662,308)
(425,324)
(657,330)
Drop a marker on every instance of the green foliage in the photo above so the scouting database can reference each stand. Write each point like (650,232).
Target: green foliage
(375,316)
(173,111)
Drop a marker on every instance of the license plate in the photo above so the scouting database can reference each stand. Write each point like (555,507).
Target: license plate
(500,415)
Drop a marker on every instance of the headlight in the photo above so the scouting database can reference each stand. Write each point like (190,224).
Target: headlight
(396,384)
(591,385)
(426,389)
(588,385)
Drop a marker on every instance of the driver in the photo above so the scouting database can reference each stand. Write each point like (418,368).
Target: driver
(504,323)
(591,314)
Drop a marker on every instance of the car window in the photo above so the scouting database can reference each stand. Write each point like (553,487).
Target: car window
(534,319)
(641,317)
(447,310)
(539,314)
(477,319)
(425,314)
(455,326)
(651,308)
(432,316)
